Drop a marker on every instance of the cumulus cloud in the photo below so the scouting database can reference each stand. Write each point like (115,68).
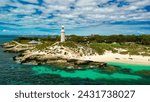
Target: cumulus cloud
(50,14)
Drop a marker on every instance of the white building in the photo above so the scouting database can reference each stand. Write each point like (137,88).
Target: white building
(62,34)
(34,42)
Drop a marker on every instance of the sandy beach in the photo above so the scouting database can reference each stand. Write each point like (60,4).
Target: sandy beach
(115,57)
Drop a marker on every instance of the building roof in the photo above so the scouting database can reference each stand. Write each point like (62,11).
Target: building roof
(34,42)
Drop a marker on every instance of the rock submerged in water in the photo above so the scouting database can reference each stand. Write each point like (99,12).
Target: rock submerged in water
(145,73)
(1,45)
(87,62)
(78,62)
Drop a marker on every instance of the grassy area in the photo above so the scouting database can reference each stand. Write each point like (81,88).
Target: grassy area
(132,49)
(100,48)
(69,44)
(43,45)
(139,50)
(24,41)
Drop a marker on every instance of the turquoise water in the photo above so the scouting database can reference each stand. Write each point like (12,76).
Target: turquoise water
(133,67)
(84,74)
(12,73)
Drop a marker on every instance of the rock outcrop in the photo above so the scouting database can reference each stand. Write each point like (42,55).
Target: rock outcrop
(56,54)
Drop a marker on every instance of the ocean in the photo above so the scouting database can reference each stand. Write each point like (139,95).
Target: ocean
(12,73)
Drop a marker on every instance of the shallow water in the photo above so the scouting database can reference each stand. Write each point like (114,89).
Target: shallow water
(133,67)
(92,74)
(12,73)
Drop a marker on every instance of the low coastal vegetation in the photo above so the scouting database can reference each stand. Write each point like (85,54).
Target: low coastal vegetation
(131,49)
(123,44)
(121,39)
(69,44)
(43,45)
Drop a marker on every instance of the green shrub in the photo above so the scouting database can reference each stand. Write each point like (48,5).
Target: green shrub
(69,44)
(124,52)
(43,46)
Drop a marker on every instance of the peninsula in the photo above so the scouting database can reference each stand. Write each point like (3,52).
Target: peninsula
(73,50)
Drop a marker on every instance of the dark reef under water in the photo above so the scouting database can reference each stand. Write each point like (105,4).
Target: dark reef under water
(12,73)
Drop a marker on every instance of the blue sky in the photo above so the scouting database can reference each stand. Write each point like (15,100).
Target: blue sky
(81,17)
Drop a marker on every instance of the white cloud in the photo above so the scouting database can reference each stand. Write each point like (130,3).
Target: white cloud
(84,13)
(3,3)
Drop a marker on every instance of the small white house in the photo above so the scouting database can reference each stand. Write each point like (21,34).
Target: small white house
(34,42)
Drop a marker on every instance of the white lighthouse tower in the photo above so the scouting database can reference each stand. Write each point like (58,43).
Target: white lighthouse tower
(62,33)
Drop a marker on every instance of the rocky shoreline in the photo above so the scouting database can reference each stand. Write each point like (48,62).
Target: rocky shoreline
(59,61)
(27,56)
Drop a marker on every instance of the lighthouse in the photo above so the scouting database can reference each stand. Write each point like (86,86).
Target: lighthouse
(62,34)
